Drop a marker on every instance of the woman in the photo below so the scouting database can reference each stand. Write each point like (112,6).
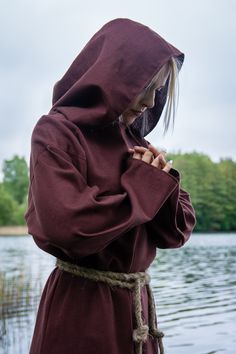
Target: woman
(101,198)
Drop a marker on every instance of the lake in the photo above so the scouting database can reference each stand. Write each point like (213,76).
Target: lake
(194,289)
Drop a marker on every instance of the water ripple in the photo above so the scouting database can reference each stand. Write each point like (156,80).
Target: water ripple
(195,295)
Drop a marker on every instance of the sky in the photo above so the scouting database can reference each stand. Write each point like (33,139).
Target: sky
(40,39)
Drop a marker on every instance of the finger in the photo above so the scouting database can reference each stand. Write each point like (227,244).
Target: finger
(162,160)
(147,156)
(131,150)
(140,149)
(137,156)
(154,150)
(156,162)
(168,166)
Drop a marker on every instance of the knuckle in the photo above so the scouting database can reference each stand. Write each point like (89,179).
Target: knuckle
(148,152)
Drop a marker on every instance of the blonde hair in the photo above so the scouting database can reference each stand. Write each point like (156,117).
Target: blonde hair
(171,104)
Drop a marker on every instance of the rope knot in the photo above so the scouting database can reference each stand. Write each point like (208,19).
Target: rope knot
(156,334)
(140,334)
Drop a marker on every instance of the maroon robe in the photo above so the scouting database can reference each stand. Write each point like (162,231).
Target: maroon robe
(91,203)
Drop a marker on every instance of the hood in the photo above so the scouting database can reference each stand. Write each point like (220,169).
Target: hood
(110,71)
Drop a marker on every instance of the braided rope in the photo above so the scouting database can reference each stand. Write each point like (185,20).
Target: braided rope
(133,282)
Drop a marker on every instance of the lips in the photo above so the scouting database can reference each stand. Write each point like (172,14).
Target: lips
(136,112)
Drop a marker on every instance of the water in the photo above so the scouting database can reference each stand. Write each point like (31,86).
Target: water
(194,288)
(24,269)
(195,292)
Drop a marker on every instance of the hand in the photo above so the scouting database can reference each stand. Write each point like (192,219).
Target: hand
(152,156)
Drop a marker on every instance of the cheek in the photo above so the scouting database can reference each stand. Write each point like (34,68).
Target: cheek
(137,100)
(128,114)
(136,104)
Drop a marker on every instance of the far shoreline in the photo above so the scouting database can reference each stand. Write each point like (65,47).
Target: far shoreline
(22,230)
(14,230)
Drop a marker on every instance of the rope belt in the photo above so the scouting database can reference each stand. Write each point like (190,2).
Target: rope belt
(133,282)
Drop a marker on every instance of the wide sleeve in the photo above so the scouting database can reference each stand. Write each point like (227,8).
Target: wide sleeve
(66,213)
(173,224)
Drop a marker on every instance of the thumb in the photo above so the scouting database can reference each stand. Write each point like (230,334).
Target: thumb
(168,166)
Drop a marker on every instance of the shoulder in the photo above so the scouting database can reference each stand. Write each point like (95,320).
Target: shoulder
(55,130)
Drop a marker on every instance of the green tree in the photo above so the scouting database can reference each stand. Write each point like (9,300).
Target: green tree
(227,171)
(212,187)
(19,211)
(15,177)
(7,207)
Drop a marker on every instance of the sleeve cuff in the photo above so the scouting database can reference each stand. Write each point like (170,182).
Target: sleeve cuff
(173,172)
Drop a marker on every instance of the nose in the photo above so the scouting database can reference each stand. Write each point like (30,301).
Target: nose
(149,99)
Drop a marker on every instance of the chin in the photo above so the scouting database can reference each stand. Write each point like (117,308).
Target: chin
(132,120)
(129,118)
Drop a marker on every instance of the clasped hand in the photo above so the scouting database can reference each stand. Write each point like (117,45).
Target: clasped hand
(151,156)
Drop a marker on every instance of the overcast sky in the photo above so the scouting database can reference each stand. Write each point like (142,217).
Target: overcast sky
(40,39)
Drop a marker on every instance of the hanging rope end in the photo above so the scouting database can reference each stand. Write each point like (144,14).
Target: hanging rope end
(140,334)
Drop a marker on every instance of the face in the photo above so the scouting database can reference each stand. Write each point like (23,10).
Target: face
(146,98)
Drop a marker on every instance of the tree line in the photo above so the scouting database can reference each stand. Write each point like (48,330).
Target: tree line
(212,188)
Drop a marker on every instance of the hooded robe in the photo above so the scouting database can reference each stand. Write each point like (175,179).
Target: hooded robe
(91,203)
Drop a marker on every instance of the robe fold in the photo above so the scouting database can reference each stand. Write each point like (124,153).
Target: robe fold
(91,203)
